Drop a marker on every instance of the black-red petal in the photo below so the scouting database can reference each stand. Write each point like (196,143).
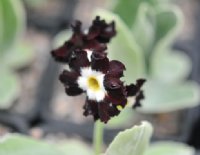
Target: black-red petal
(73,90)
(63,53)
(116,92)
(78,60)
(101,31)
(100,110)
(99,62)
(133,89)
(69,79)
(116,68)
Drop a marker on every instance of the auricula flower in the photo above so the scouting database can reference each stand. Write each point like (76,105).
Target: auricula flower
(91,72)
(94,39)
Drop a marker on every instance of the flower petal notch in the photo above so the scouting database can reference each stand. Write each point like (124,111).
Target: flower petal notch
(98,34)
(101,31)
(91,72)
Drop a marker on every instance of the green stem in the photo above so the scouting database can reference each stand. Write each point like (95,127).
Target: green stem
(98,137)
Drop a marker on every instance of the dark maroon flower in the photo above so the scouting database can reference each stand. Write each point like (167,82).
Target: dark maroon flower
(92,73)
(98,34)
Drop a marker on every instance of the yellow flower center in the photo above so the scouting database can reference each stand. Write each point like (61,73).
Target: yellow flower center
(93,83)
(119,107)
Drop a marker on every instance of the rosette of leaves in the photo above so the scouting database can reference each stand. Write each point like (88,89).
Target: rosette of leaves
(146,33)
(13,53)
(133,141)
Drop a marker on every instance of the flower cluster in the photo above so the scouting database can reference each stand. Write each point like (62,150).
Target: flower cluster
(91,71)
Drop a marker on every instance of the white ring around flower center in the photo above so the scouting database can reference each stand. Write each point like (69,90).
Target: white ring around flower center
(87,73)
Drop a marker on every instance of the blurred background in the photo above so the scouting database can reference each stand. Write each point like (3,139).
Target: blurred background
(33,101)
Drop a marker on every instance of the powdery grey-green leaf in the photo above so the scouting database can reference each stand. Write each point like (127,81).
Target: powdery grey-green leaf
(21,145)
(169,148)
(144,27)
(9,88)
(124,48)
(132,141)
(172,67)
(9,17)
(11,12)
(19,56)
(158,2)
(75,148)
(164,97)
(1,25)
(127,10)
(169,23)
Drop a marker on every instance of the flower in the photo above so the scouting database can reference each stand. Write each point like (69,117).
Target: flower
(91,72)
(99,78)
(98,34)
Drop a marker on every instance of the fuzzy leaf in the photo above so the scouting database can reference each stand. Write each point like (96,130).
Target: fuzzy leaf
(164,97)
(157,2)
(169,22)
(127,10)
(12,22)
(21,145)
(19,56)
(1,26)
(124,48)
(76,148)
(172,67)
(169,148)
(132,141)
(9,88)
(144,27)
